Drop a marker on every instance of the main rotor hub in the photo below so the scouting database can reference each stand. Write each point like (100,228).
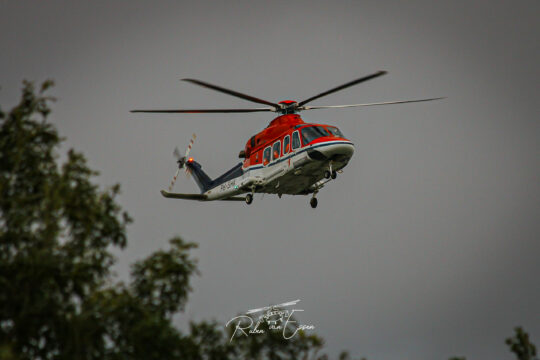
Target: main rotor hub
(288,106)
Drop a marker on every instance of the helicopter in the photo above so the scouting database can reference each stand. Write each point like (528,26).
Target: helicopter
(288,157)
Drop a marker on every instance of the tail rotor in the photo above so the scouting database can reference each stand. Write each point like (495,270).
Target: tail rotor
(181,160)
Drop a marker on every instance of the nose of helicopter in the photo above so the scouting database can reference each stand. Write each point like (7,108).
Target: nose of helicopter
(341,150)
(334,150)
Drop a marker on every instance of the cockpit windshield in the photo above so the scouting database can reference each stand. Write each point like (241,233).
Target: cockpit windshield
(335,131)
(313,132)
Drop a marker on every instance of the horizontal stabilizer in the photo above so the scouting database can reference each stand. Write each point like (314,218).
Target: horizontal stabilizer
(234,198)
(199,197)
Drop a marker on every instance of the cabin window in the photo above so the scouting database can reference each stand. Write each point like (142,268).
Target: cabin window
(276,150)
(266,155)
(335,131)
(313,132)
(286,144)
(295,140)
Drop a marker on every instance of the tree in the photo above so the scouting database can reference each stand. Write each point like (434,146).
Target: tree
(58,298)
(56,227)
(521,346)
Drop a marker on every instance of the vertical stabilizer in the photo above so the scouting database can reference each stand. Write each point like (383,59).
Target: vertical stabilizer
(201,178)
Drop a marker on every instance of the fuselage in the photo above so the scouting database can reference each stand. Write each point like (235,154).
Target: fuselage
(288,157)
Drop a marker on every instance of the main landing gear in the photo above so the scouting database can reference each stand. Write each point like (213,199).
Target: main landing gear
(249,196)
(313,202)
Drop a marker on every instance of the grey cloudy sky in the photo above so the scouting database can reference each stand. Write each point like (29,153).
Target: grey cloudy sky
(425,247)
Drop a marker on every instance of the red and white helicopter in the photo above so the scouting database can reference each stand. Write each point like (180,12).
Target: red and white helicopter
(288,157)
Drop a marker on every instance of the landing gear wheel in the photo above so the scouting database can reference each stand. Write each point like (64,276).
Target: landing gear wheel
(249,199)
(327,174)
(334,174)
(313,202)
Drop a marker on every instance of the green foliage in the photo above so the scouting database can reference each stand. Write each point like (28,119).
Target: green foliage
(55,231)
(521,346)
(161,282)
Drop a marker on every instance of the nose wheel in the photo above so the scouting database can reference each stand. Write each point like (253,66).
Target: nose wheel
(330,173)
(249,199)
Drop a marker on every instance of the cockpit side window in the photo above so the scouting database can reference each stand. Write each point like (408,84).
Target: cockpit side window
(313,132)
(295,140)
(335,131)
(276,150)
(286,144)
(266,155)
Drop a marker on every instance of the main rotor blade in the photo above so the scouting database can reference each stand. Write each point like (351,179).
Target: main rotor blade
(203,111)
(344,86)
(368,104)
(232,92)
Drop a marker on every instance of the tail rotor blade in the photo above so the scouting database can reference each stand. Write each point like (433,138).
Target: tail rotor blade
(174,180)
(181,160)
(193,137)
(176,153)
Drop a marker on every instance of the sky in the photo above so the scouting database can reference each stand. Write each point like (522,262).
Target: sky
(426,246)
